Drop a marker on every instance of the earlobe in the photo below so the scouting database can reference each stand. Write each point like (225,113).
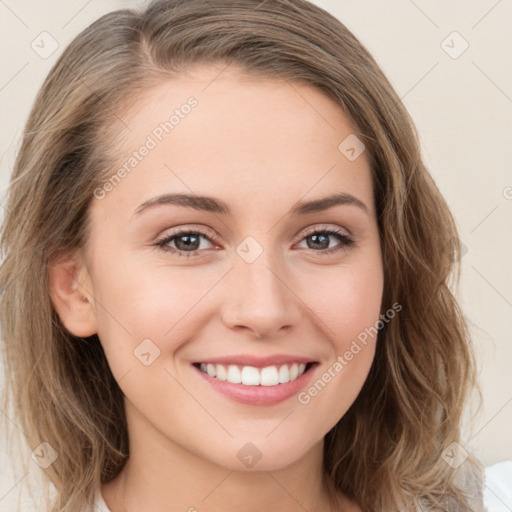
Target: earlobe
(70,293)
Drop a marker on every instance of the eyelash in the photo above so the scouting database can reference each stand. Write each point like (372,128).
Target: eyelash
(345,241)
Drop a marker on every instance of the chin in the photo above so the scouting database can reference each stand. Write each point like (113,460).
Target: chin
(260,454)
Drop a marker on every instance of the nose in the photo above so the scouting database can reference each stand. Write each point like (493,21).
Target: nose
(260,297)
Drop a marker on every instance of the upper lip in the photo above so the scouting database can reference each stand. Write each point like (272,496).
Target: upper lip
(257,361)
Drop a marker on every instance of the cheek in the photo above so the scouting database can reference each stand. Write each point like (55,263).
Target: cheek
(136,304)
(345,300)
(347,310)
(335,387)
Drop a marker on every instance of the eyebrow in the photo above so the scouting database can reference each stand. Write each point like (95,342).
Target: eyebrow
(214,205)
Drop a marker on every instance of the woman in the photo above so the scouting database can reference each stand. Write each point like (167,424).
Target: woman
(236,269)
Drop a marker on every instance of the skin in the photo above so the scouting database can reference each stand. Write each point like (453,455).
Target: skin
(261,146)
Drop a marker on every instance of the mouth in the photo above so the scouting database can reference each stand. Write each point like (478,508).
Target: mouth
(272,375)
(252,385)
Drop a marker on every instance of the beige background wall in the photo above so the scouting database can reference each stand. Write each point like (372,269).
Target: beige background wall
(460,99)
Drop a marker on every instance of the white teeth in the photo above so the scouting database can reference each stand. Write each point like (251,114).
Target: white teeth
(284,374)
(234,375)
(294,371)
(221,372)
(251,376)
(269,376)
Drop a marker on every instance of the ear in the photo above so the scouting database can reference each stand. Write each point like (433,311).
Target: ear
(70,291)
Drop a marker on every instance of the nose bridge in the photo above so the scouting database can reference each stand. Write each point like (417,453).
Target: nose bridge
(259,296)
(262,275)
(259,269)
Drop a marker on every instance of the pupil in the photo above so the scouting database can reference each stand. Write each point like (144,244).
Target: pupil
(188,243)
(324,241)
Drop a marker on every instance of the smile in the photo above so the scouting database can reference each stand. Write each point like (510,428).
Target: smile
(251,376)
(267,385)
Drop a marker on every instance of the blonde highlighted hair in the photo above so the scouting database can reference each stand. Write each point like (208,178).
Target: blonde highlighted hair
(386,451)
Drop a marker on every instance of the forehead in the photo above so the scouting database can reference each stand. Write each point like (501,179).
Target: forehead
(217,131)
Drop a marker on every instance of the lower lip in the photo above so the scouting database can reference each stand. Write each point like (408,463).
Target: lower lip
(258,395)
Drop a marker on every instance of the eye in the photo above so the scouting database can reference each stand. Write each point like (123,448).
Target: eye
(187,243)
(320,239)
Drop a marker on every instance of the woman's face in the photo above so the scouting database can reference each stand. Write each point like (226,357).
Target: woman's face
(256,284)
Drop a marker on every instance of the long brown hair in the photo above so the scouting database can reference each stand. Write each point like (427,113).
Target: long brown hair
(386,452)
